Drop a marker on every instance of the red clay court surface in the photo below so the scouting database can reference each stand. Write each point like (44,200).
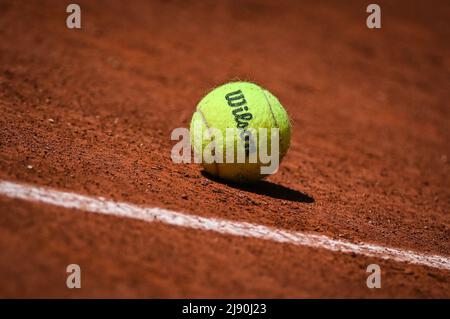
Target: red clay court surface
(90,112)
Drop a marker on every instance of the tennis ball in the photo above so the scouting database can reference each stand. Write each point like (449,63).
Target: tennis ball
(247,108)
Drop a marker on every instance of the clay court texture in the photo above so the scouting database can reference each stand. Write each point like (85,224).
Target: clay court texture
(86,175)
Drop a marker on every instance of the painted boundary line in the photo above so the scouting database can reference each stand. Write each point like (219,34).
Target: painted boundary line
(102,206)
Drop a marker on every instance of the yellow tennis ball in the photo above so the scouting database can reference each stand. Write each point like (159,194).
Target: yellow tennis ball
(247,109)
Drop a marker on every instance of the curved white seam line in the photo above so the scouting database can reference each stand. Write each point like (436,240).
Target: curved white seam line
(270,108)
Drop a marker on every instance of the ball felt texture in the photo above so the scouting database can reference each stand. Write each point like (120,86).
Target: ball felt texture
(243,106)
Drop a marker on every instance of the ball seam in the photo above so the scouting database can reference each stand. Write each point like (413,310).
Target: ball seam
(209,131)
(270,108)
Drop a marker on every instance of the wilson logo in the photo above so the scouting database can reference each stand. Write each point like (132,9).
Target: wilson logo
(236,100)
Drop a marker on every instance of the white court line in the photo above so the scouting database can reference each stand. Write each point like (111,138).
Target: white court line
(227,227)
